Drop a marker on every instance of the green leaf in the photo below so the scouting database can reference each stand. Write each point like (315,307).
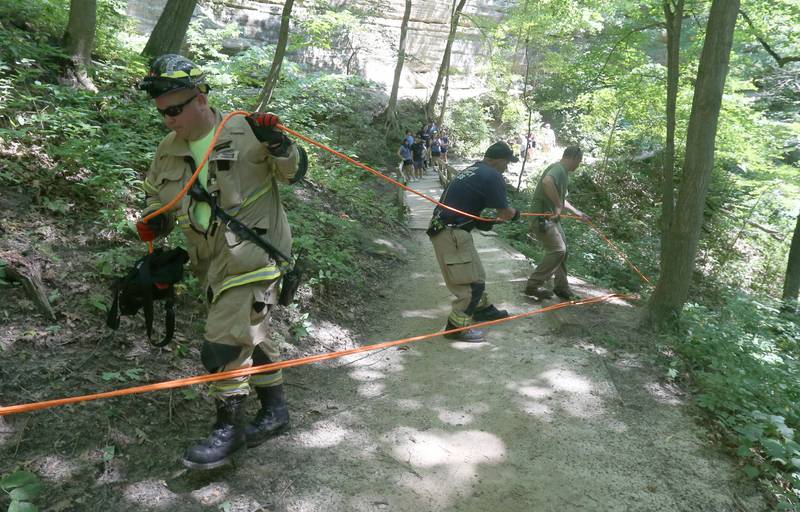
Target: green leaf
(18,479)
(22,506)
(743,451)
(773,447)
(134,373)
(26,492)
(751,471)
(108,453)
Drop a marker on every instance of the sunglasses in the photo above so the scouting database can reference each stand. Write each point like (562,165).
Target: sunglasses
(175,110)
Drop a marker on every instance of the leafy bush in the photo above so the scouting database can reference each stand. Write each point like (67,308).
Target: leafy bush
(468,122)
(741,360)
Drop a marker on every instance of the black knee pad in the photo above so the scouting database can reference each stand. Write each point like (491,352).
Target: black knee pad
(477,292)
(215,356)
(260,357)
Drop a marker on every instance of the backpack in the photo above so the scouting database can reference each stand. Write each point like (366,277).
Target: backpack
(151,278)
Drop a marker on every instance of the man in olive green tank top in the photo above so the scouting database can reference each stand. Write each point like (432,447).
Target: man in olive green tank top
(550,197)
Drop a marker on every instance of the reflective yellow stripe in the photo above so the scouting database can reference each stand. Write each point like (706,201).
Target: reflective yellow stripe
(148,187)
(269,273)
(253,197)
(218,390)
(459,319)
(261,380)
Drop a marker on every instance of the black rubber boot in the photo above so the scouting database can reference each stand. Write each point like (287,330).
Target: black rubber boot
(226,437)
(467,335)
(272,419)
(489,313)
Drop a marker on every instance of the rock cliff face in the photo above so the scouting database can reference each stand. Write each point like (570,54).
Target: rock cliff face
(370,49)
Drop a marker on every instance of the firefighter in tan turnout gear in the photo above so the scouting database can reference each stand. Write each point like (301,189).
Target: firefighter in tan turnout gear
(479,186)
(248,161)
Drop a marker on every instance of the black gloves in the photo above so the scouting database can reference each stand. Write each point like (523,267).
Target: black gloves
(264,126)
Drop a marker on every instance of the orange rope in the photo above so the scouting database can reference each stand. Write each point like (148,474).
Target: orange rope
(434,201)
(241,372)
(397,183)
(619,251)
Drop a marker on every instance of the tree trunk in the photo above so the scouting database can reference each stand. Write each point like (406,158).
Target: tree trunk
(674,18)
(169,32)
(681,242)
(528,107)
(442,110)
(791,285)
(277,61)
(78,42)
(445,59)
(391,108)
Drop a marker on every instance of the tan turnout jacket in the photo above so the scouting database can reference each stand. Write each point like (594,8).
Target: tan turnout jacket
(244,177)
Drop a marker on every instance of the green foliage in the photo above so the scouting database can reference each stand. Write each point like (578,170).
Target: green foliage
(468,122)
(89,152)
(22,487)
(742,362)
(205,44)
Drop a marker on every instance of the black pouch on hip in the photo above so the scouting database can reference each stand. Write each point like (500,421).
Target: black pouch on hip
(542,224)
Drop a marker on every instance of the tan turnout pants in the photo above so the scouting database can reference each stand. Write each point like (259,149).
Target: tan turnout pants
(554,261)
(462,271)
(234,319)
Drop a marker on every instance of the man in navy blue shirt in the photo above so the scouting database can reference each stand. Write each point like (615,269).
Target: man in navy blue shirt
(479,186)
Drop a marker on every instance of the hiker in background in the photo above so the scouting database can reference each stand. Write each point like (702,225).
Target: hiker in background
(418,151)
(436,156)
(409,137)
(444,141)
(548,140)
(404,152)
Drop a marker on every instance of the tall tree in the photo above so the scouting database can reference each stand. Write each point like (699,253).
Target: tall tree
(791,285)
(277,61)
(78,42)
(673,11)
(170,30)
(677,266)
(391,108)
(445,59)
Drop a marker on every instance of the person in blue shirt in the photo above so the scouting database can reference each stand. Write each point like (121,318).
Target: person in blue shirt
(477,187)
(408,163)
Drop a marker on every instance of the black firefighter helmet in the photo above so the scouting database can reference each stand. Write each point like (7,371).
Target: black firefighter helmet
(171,72)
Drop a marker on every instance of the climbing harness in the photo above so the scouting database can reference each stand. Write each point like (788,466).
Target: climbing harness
(152,278)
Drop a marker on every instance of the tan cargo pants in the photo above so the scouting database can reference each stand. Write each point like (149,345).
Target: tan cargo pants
(462,269)
(240,318)
(553,263)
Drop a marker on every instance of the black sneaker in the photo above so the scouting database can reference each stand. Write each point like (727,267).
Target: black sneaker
(537,293)
(489,313)
(467,335)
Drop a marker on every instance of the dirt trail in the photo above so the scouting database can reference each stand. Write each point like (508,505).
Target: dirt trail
(541,417)
(538,418)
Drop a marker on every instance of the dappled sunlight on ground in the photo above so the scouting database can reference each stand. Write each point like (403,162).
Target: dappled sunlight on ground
(56,468)
(322,434)
(446,465)
(150,495)
(562,389)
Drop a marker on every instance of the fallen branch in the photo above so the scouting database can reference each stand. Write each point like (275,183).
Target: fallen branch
(20,270)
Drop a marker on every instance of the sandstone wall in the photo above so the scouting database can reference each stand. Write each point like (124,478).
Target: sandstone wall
(377,40)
